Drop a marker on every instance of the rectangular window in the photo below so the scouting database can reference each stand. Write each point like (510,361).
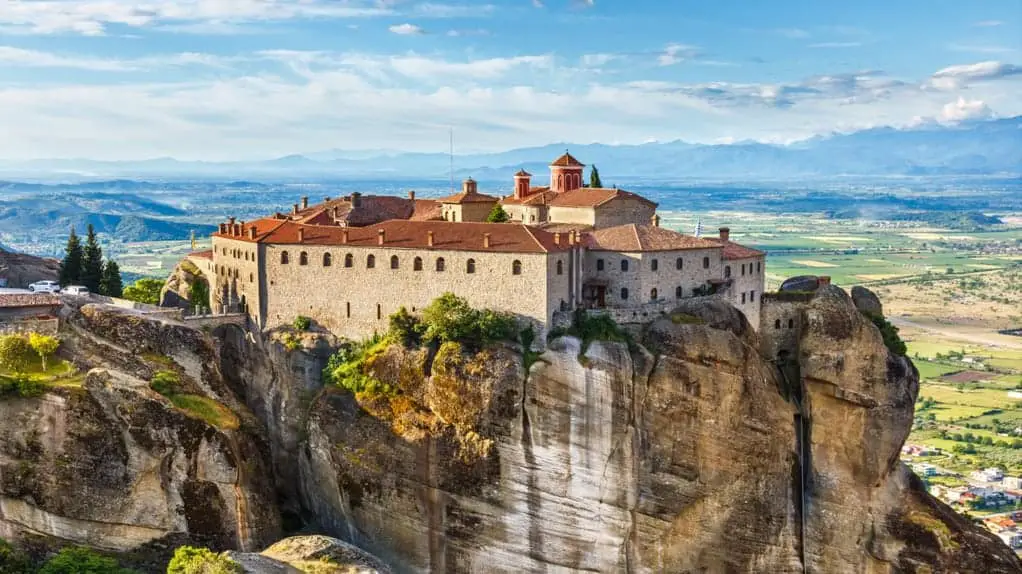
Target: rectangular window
(348,309)
(599,264)
(759,267)
(752,296)
(743,269)
(743,298)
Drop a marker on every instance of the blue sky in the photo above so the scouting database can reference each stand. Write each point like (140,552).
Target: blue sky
(252,79)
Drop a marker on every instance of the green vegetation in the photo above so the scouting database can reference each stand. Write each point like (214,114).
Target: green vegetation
(71,265)
(25,370)
(451,318)
(168,384)
(349,367)
(191,560)
(16,353)
(406,328)
(84,265)
(889,332)
(198,293)
(92,261)
(589,328)
(111,285)
(78,560)
(145,290)
(594,177)
(498,215)
(686,319)
(43,345)
(302,323)
(12,560)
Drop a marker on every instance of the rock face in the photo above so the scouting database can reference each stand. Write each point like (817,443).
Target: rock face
(177,290)
(115,465)
(315,554)
(20,270)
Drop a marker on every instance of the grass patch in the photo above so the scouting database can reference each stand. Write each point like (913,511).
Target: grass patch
(35,380)
(589,328)
(168,384)
(928,370)
(934,526)
(686,319)
(350,368)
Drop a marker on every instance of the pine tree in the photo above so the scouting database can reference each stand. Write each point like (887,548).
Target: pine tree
(594,177)
(110,285)
(71,266)
(92,262)
(498,215)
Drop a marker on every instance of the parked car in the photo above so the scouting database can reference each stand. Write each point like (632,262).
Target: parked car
(44,287)
(78,290)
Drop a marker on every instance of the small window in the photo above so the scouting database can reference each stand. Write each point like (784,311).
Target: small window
(560,268)
(679,263)
(791,323)
(532,219)
(759,267)
(743,269)
(370,261)
(440,264)
(752,296)
(653,295)
(624,293)
(251,278)
(349,260)
(777,324)
(303,258)
(327,260)
(599,264)
(394,262)
(516,267)
(347,309)
(706,262)
(417,264)
(654,265)
(679,292)
(727,271)
(624,265)
(284,258)
(470,266)
(743,298)
(379,311)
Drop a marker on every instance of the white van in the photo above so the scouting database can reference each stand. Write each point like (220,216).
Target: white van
(77,290)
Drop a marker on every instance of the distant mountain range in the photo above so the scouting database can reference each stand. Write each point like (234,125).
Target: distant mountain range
(990,147)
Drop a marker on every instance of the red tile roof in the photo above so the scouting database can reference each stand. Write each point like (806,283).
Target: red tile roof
(426,209)
(207,254)
(372,209)
(567,160)
(15,300)
(402,234)
(468,197)
(635,238)
(537,196)
(594,197)
(523,173)
(734,250)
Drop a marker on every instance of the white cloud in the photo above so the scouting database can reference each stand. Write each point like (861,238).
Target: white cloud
(955,77)
(597,60)
(406,29)
(988,23)
(836,45)
(676,53)
(980,48)
(11,56)
(963,109)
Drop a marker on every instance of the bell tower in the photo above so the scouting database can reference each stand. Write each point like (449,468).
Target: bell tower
(566,173)
(522,184)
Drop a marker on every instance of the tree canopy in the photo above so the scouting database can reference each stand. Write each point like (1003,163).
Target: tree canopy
(71,265)
(145,290)
(15,353)
(594,177)
(110,284)
(92,261)
(43,345)
(498,215)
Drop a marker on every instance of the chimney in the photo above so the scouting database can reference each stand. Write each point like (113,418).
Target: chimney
(333,213)
(381,236)
(823,280)
(326,199)
(301,235)
(223,229)
(251,232)
(231,220)
(411,195)
(344,236)
(356,200)
(557,238)
(305,202)
(725,233)
(486,241)
(429,238)
(655,220)
(237,229)
(469,186)
(294,208)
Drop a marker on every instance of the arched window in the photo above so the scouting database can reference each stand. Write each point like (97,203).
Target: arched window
(678,263)
(791,323)
(284,258)
(624,265)
(440,264)
(394,263)
(624,293)
(777,324)
(560,182)
(303,258)
(516,267)
(417,264)
(599,264)
(560,268)
(653,295)
(328,260)
(349,260)
(678,292)
(706,262)
(654,265)
(370,261)
(470,266)
(727,271)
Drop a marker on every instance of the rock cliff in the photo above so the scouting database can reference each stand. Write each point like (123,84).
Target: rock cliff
(686,451)
(20,270)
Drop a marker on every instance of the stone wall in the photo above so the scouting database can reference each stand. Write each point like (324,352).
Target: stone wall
(48,326)
(641,279)
(748,282)
(531,214)
(356,301)
(624,211)
(477,212)
(236,268)
(578,215)
(781,323)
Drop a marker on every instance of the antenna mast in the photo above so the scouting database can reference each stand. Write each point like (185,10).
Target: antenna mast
(452,160)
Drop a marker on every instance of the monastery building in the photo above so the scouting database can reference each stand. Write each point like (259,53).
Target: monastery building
(349,262)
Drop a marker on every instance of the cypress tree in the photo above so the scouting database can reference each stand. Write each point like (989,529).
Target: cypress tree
(92,263)
(594,177)
(71,266)
(110,285)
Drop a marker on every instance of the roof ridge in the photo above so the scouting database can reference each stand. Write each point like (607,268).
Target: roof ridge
(638,240)
(529,230)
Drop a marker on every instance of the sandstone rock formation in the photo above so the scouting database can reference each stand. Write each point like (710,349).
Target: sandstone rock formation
(20,270)
(177,290)
(115,465)
(312,554)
